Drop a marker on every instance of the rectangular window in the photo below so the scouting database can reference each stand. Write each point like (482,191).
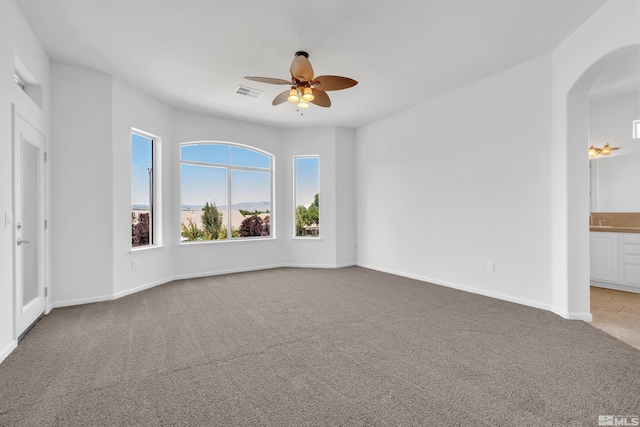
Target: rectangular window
(307,196)
(226,192)
(143,183)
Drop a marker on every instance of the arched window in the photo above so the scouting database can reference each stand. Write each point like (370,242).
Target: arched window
(226,192)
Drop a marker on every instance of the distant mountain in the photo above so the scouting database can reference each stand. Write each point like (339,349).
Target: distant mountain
(247,206)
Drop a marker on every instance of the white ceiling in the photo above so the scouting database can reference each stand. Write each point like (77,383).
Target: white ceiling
(193,54)
(621,78)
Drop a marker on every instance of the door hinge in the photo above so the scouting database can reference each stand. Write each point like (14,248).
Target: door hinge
(46,291)
(46,224)
(45,156)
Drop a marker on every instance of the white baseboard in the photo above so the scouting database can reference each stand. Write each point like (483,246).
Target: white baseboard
(318,265)
(587,317)
(483,292)
(8,349)
(221,272)
(615,286)
(149,285)
(81,301)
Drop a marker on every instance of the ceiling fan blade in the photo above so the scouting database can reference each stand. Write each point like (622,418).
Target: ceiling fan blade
(333,82)
(301,69)
(320,98)
(281,98)
(269,80)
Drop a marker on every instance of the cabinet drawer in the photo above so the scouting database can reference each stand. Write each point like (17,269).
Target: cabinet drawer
(631,249)
(631,259)
(631,275)
(633,238)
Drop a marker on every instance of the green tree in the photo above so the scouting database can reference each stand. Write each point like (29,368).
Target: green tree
(211,221)
(191,232)
(301,218)
(308,216)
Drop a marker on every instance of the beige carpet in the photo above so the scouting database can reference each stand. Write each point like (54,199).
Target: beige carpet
(296,347)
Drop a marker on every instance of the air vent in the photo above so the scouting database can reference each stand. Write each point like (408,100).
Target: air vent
(247,91)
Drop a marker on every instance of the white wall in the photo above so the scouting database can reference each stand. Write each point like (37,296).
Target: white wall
(94,114)
(346,209)
(314,141)
(16,38)
(617,183)
(135,109)
(577,63)
(82,175)
(610,121)
(617,176)
(461,180)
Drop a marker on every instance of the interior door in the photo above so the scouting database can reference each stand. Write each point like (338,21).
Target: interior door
(28,224)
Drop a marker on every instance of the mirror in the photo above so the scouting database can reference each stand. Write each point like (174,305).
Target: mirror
(614,104)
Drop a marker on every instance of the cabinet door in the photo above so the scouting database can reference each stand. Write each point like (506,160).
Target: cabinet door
(604,256)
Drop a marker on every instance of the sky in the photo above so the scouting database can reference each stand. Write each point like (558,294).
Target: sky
(200,184)
(307,176)
(141,159)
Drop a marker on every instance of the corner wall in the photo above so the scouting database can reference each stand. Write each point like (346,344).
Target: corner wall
(132,108)
(82,175)
(336,245)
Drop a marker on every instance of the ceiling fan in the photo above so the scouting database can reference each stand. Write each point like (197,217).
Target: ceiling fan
(306,88)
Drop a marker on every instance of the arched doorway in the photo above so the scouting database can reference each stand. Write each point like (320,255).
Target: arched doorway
(578,181)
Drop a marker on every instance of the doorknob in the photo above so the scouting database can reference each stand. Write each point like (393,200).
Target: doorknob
(20,241)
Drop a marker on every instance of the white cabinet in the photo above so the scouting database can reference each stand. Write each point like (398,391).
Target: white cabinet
(604,257)
(615,260)
(631,259)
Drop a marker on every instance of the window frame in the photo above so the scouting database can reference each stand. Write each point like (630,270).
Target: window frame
(295,204)
(229,172)
(155,192)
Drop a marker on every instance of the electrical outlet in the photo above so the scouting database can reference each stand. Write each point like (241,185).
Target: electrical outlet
(491,266)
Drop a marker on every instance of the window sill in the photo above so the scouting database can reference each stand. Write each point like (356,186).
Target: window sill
(215,242)
(146,248)
(306,238)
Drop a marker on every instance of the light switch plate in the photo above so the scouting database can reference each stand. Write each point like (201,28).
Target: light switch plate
(8,220)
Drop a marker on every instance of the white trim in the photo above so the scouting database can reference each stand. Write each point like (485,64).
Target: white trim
(616,286)
(145,248)
(473,290)
(80,301)
(329,266)
(587,317)
(229,170)
(8,349)
(155,206)
(295,200)
(146,286)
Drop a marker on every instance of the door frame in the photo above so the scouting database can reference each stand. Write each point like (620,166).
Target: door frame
(20,123)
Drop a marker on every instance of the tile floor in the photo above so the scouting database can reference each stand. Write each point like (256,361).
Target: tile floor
(617,313)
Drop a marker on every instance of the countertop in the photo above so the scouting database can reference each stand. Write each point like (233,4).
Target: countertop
(614,229)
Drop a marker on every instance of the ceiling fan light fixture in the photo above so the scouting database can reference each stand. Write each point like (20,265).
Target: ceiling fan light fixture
(308,95)
(303,104)
(293,95)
